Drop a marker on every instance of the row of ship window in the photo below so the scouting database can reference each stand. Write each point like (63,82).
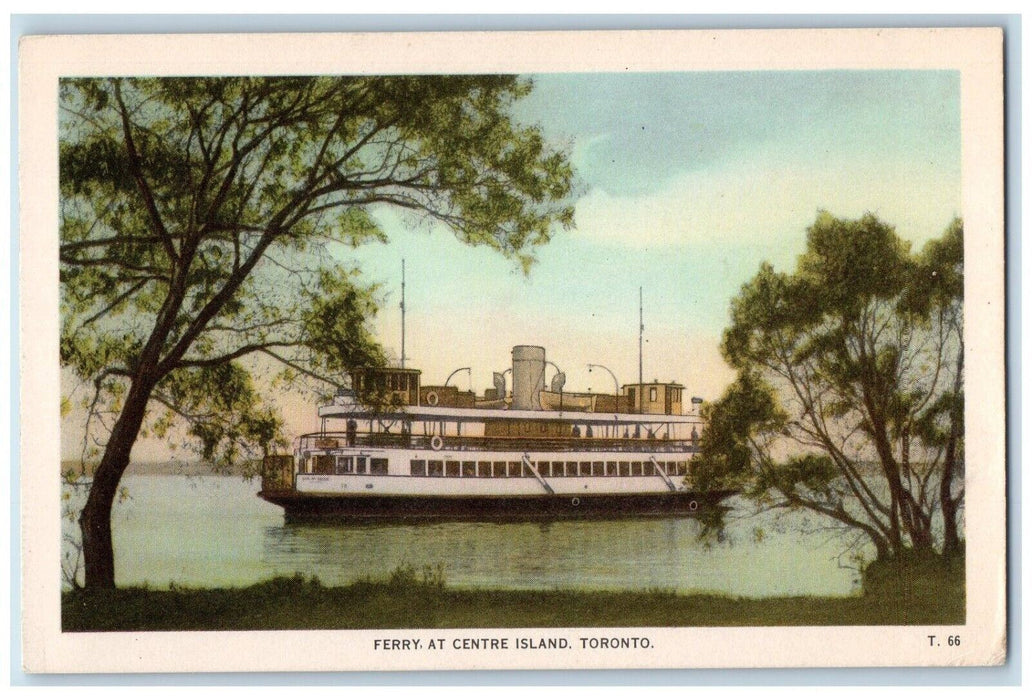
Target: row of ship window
(422,467)
(329,464)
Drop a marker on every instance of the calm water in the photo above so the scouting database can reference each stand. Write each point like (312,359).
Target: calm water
(213,531)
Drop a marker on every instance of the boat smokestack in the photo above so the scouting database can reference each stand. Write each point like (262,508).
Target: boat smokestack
(528,377)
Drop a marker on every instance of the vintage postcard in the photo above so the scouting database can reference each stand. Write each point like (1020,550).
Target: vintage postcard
(555,350)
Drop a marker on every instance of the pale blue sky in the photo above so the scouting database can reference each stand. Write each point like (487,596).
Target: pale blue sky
(686,182)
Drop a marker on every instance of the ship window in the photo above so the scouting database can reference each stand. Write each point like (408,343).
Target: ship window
(682,468)
(514,468)
(635,468)
(610,468)
(418,467)
(324,464)
(571,469)
(435,467)
(555,469)
(649,470)
(483,469)
(499,469)
(378,465)
(360,465)
(451,469)
(670,467)
(598,469)
(585,469)
(652,394)
(343,465)
(625,468)
(469,468)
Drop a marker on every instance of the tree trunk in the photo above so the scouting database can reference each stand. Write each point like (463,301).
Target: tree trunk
(95,520)
(949,504)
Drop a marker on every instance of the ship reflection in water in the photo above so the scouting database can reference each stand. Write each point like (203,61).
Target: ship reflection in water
(212,531)
(609,554)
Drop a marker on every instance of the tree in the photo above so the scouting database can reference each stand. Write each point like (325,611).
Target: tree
(199,221)
(849,399)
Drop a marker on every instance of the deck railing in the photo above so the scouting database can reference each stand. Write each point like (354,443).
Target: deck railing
(464,443)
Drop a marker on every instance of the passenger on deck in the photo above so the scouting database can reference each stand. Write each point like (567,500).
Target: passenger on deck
(352,431)
(576,431)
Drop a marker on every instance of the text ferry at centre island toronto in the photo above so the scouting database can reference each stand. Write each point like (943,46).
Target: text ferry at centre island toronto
(435,452)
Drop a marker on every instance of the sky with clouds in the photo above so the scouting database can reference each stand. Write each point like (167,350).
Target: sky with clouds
(686,182)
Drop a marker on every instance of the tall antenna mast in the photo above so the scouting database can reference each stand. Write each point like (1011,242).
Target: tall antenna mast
(641,335)
(403,313)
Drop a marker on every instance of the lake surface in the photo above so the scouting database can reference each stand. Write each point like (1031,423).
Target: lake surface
(214,531)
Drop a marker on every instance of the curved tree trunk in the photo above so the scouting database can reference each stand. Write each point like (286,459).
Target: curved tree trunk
(95,519)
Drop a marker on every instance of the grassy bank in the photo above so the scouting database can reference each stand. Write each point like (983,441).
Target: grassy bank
(916,593)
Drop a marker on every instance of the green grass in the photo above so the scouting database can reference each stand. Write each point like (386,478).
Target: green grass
(923,592)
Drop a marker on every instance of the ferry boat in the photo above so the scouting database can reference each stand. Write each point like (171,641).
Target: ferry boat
(435,452)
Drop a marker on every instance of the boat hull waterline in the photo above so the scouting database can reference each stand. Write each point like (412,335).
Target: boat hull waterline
(366,507)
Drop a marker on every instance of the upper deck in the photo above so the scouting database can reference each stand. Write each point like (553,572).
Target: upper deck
(481,415)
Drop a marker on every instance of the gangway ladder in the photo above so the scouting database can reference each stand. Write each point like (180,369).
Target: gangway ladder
(662,473)
(533,470)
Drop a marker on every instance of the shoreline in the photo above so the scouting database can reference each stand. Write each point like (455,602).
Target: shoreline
(914,593)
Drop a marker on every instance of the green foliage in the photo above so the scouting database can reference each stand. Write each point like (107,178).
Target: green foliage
(853,359)
(201,219)
(202,224)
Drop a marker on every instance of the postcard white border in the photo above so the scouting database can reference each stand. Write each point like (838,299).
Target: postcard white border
(976,53)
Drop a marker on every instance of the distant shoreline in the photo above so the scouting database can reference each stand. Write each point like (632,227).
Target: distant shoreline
(163,468)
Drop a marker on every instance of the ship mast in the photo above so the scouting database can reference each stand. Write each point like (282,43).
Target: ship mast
(403,313)
(641,335)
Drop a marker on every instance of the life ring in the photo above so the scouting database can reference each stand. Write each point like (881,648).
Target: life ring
(436,443)
(693,506)
(432,398)
(575,501)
